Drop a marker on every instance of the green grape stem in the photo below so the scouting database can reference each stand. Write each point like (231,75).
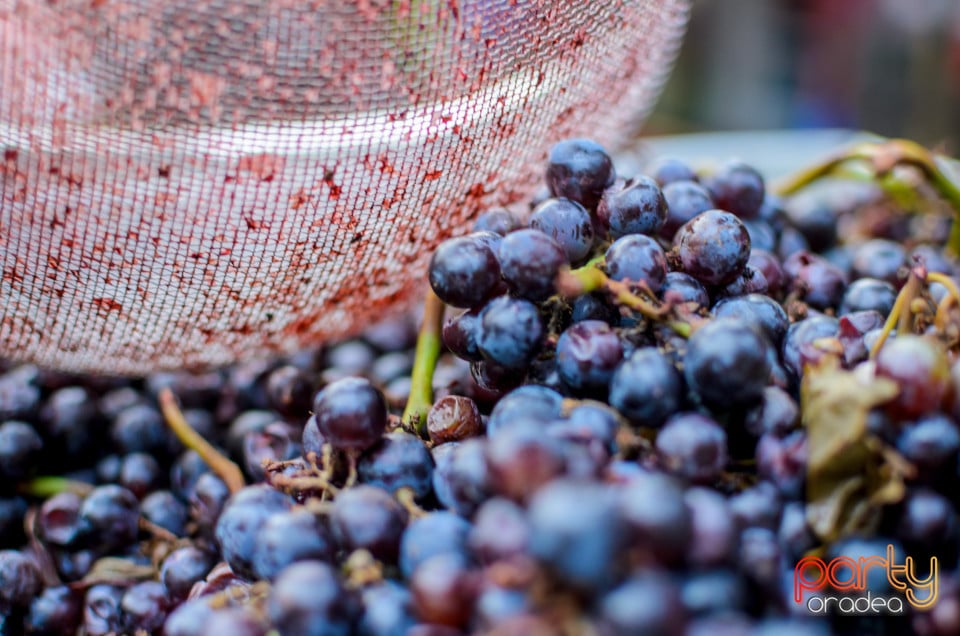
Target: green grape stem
(424,364)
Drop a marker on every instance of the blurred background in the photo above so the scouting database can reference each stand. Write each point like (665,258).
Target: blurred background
(891,67)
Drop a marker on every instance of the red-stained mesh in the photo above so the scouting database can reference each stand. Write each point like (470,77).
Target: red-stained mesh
(189,182)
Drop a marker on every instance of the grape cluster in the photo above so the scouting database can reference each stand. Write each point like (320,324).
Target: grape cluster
(619,439)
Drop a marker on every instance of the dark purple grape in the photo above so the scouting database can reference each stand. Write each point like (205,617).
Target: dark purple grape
(190,619)
(881,259)
(647,603)
(932,444)
(868,294)
(637,259)
(579,169)
(588,352)
(841,257)
(759,557)
(436,533)
(185,472)
(521,458)
(759,311)
(287,537)
(19,393)
(444,590)
(20,448)
(387,610)
(207,500)
(767,264)
(777,414)
(20,579)
(498,220)
(920,369)
(682,288)
(714,530)
(594,307)
(762,236)
(241,519)
(529,262)
(738,188)
(592,422)
(145,607)
(646,388)
(794,534)
(568,223)
(532,402)
(815,280)
(277,442)
(500,531)
(289,391)
(715,592)
(460,335)
(749,281)
(659,520)
(578,533)
(510,331)
(368,518)
(163,509)
(139,473)
(791,242)
(351,414)
(182,568)
(693,446)
(453,418)
(685,200)
(399,460)
(236,621)
(928,527)
(800,343)
(140,428)
(669,169)
(637,208)
(757,507)
(496,604)
(461,481)
(814,219)
(783,462)
(57,610)
(109,517)
(726,363)
(713,247)
(464,271)
(102,614)
(307,599)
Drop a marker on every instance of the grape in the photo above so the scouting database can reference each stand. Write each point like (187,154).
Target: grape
(20,579)
(646,388)
(758,311)
(510,332)
(693,447)
(464,271)
(529,262)
(237,526)
(587,354)
(368,518)
(500,531)
(568,223)
(648,603)
(932,444)
(307,599)
(20,448)
(108,517)
(287,537)
(817,282)
(737,188)
(400,460)
(453,418)
(868,294)
(578,533)
(144,606)
(443,590)
(714,530)
(594,307)
(668,169)
(799,344)
(637,259)
(685,200)
(182,568)
(579,169)
(521,458)
(713,247)
(681,288)
(498,220)
(102,614)
(387,610)
(767,264)
(166,511)
(920,370)
(658,518)
(460,335)
(638,208)
(726,363)
(57,610)
(351,414)
(881,259)
(437,533)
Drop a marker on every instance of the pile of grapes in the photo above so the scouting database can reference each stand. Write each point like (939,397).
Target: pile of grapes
(632,414)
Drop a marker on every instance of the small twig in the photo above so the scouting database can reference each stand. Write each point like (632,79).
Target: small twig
(47,486)
(407,499)
(228,471)
(899,314)
(424,364)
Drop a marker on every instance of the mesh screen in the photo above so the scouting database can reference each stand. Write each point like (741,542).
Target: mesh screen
(188,182)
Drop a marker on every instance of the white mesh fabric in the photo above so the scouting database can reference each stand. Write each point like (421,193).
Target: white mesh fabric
(185,183)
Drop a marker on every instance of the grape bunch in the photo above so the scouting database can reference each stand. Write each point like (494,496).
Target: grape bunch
(653,397)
